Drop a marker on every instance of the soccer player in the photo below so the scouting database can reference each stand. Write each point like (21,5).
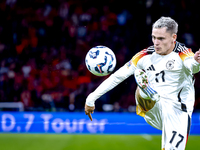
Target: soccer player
(165,92)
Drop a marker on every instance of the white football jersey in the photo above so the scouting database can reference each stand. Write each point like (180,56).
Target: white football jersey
(171,75)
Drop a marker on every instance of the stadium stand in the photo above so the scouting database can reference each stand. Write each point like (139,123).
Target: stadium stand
(43,44)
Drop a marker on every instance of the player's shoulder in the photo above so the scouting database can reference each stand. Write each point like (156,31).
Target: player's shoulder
(183,51)
(180,47)
(143,53)
(150,50)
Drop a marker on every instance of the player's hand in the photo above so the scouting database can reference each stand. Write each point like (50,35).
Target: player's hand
(89,110)
(197,56)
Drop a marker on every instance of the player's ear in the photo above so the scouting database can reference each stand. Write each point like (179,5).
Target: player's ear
(174,36)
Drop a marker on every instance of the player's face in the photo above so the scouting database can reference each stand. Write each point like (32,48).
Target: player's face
(163,41)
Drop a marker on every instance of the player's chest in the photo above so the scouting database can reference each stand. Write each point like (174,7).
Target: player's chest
(163,68)
(169,63)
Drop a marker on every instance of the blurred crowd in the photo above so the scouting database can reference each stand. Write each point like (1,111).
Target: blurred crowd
(43,44)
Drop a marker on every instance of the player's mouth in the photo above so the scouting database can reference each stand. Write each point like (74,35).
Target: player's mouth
(157,48)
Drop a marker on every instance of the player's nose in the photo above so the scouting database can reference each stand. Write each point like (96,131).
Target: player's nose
(156,42)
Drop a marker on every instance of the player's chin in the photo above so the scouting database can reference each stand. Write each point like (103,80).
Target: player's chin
(159,51)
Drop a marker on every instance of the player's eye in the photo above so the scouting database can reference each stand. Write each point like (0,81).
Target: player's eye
(153,37)
(160,38)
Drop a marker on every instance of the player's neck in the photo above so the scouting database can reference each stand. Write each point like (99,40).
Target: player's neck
(171,49)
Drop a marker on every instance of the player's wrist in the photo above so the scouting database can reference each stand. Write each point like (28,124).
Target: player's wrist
(91,104)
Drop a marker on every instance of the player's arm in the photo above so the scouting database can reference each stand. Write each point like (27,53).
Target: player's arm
(111,82)
(193,63)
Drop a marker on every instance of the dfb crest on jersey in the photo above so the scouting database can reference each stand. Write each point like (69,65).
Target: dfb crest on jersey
(170,64)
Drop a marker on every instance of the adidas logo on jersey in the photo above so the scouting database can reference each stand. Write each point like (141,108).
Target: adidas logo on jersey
(151,68)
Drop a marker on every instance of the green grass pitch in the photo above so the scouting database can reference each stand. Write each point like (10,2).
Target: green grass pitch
(85,142)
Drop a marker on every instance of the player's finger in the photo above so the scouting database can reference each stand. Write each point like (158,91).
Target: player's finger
(86,113)
(90,116)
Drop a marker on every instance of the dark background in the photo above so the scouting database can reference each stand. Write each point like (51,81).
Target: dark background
(43,44)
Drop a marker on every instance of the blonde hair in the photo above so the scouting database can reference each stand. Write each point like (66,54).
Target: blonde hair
(167,22)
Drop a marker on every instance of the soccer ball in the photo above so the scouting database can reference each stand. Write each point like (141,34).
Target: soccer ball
(100,60)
